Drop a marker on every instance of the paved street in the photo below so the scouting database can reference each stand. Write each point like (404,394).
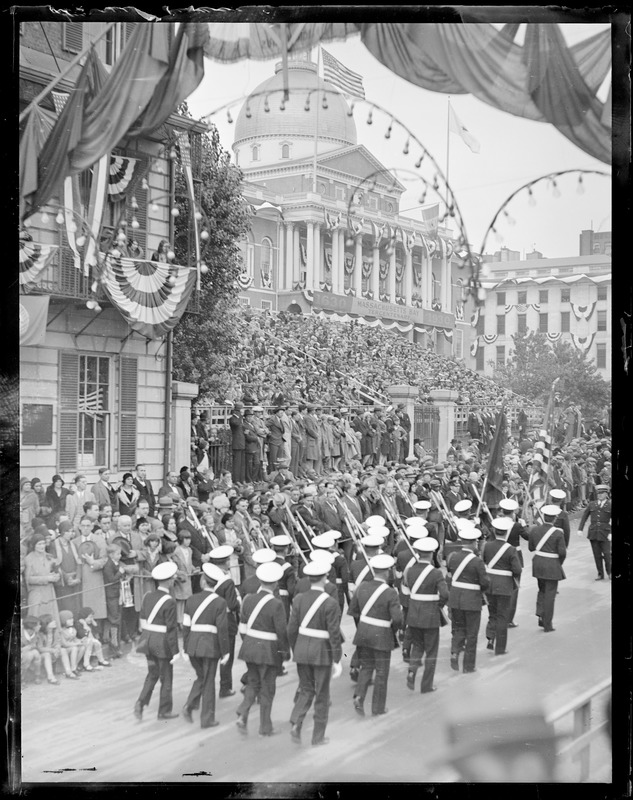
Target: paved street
(85,731)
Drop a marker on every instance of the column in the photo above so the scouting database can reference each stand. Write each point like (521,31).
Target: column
(407,284)
(290,266)
(391,283)
(182,395)
(341,260)
(318,257)
(279,280)
(444,399)
(426,280)
(406,394)
(335,265)
(448,289)
(358,265)
(310,284)
(296,255)
(375,274)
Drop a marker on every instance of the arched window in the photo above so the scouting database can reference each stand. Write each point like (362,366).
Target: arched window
(285,151)
(255,152)
(266,255)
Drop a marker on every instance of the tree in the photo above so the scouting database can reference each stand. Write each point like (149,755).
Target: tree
(204,341)
(534,363)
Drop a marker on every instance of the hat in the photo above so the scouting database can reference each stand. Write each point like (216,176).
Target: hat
(378,530)
(550,510)
(316,568)
(415,522)
(426,545)
(383,561)
(537,457)
(65,615)
(248,412)
(434,483)
(372,540)
(469,533)
(193,502)
(281,541)
(558,494)
(502,524)
(422,505)
(90,548)
(463,505)
(257,408)
(264,556)
(375,519)
(164,571)
(57,478)
(417,532)
(508,505)
(165,502)
(323,540)
(212,571)
(151,537)
(322,555)
(602,487)
(221,501)
(221,552)
(269,573)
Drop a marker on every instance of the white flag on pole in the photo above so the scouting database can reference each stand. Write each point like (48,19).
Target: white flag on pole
(458,127)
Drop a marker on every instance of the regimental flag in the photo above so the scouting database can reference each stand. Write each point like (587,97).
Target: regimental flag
(339,75)
(431,218)
(493,491)
(33,319)
(544,447)
(455,125)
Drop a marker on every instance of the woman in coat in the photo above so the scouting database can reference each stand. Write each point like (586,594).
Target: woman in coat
(182,557)
(40,573)
(29,508)
(69,565)
(55,498)
(128,496)
(150,556)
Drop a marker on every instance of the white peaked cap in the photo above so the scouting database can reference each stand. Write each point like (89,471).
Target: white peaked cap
(212,571)
(318,567)
(323,540)
(426,545)
(322,555)
(376,519)
(269,573)
(264,556)
(503,523)
(164,571)
(383,561)
(463,505)
(508,505)
(551,510)
(422,505)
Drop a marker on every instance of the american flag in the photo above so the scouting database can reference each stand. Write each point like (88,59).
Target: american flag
(338,75)
(544,447)
(522,308)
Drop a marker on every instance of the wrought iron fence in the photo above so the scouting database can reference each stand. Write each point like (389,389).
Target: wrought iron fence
(426,427)
(462,412)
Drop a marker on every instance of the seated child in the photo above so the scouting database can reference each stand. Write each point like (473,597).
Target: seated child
(30,655)
(86,626)
(49,643)
(70,642)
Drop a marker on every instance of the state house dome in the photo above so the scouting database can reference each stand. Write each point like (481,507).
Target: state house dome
(336,126)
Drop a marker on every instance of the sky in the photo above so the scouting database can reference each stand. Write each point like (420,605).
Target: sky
(513,150)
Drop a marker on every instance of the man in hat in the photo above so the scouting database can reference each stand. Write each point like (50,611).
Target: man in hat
(225,588)
(259,425)
(144,486)
(427,594)
(205,641)
(547,542)
(159,641)
(303,583)
(378,617)
(275,426)
(454,494)
(468,582)
(557,497)
(280,474)
(264,647)
(238,444)
(286,585)
(75,501)
(252,448)
(405,555)
(312,433)
(264,555)
(314,634)
(339,573)
(599,514)
(504,570)
(509,508)
(405,422)
(200,543)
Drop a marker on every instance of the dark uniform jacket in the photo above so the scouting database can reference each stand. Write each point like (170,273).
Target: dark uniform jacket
(205,632)
(339,573)
(424,612)
(304,584)
(473,574)
(287,583)
(317,650)
(160,631)
(375,625)
(517,532)
(358,567)
(562,522)
(227,591)
(404,561)
(505,570)
(547,567)
(271,648)
(599,518)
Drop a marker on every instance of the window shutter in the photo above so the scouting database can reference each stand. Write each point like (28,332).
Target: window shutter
(72,40)
(128,393)
(68,414)
(129,29)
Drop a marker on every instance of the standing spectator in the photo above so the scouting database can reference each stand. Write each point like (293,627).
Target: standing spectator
(103,491)
(599,513)
(262,433)
(238,443)
(39,491)
(128,495)
(56,496)
(40,574)
(312,434)
(91,548)
(252,448)
(276,432)
(113,574)
(144,486)
(29,508)
(69,565)
(182,581)
(76,499)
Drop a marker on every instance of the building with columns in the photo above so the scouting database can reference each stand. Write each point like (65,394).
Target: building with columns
(327,235)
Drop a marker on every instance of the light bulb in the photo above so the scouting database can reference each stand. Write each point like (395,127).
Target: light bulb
(248,112)
(94,286)
(145,184)
(229,118)
(171,280)
(175,212)
(481,294)
(116,253)
(135,223)
(59,219)
(324,102)
(45,218)
(81,241)
(531,200)
(198,215)
(91,304)
(171,255)
(173,154)
(405,149)
(154,207)
(98,307)
(27,223)
(349,242)
(204,235)
(370,117)
(72,226)
(204,269)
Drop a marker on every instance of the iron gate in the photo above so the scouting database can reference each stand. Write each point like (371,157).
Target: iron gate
(426,427)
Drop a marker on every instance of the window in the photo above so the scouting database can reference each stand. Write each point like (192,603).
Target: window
(458,343)
(255,152)
(72,37)
(501,324)
(479,360)
(501,356)
(244,301)
(93,401)
(285,151)
(37,424)
(564,321)
(113,44)
(522,298)
(250,259)
(501,298)
(565,295)
(522,323)
(543,323)
(267,305)
(602,320)
(339,192)
(543,295)
(602,292)
(601,356)
(266,252)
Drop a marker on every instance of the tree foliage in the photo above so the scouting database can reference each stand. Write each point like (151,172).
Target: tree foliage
(204,341)
(534,363)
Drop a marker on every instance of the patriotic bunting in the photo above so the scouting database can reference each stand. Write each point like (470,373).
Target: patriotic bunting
(544,447)
(33,260)
(474,319)
(120,174)
(367,268)
(151,296)
(583,312)
(384,270)
(474,347)
(325,287)
(582,343)
(403,327)
(328,260)
(59,101)
(490,338)
(266,279)
(304,255)
(309,295)
(436,305)
(459,312)
(245,281)
(553,337)
(349,263)
(33,319)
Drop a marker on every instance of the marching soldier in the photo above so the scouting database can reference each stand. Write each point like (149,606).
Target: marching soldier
(508,508)
(339,573)
(547,542)
(404,560)
(468,582)
(226,589)
(599,530)
(427,594)
(359,572)
(250,585)
(378,615)
(159,641)
(504,570)
(206,641)
(304,583)
(264,647)
(315,637)
(557,497)
(288,580)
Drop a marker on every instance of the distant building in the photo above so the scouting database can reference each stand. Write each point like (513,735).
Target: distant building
(595,243)
(564,298)
(535,254)
(505,254)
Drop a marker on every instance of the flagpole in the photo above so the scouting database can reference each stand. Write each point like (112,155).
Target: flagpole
(448,140)
(316,127)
